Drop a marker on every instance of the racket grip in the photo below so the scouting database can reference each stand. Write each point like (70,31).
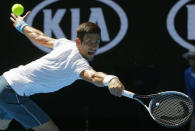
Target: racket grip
(127,94)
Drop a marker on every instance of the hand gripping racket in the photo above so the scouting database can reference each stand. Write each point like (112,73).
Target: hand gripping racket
(170,108)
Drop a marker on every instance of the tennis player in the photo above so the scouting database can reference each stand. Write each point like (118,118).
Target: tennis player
(66,63)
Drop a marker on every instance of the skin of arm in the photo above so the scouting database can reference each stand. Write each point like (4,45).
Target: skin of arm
(115,86)
(33,34)
(38,37)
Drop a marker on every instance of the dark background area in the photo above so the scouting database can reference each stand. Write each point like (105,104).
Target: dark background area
(147,61)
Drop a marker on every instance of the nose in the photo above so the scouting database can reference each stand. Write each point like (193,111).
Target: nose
(94,45)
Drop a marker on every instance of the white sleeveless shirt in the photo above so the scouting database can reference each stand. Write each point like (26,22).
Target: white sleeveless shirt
(59,68)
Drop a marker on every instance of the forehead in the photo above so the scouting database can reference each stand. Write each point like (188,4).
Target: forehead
(91,36)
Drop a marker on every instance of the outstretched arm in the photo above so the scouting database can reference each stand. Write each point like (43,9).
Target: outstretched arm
(38,37)
(101,79)
(33,34)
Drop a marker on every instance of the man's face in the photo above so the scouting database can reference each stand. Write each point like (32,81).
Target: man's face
(89,45)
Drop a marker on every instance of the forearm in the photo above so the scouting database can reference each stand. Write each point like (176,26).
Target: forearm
(94,77)
(101,79)
(36,36)
(32,33)
(98,79)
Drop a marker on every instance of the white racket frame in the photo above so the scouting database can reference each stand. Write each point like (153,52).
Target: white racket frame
(132,96)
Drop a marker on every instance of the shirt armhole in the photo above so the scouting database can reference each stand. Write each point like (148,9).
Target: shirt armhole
(59,42)
(80,66)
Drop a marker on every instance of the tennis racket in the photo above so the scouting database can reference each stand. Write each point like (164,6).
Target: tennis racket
(170,108)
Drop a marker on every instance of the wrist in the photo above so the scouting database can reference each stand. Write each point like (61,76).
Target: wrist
(20,26)
(107,79)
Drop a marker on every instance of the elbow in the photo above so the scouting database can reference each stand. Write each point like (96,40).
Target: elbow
(92,79)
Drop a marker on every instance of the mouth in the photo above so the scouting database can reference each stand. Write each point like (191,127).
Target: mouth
(91,53)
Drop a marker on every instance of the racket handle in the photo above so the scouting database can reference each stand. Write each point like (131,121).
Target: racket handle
(128,94)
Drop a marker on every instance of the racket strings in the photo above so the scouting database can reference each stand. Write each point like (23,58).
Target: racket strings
(171,110)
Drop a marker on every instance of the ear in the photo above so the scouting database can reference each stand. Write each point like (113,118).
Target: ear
(78,41)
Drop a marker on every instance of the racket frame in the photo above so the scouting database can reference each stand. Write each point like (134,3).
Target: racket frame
(136,97)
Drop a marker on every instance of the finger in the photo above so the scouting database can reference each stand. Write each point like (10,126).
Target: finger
(14,16)
(118,92)
(111,90)
(12,19)
(121,90)
(115,92)
(26,15)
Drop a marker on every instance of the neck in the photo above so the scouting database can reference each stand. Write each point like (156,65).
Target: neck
(82,54)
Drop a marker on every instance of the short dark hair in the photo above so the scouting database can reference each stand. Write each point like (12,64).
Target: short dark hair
(87,27)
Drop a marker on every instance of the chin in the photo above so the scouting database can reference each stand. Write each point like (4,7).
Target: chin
(90,59)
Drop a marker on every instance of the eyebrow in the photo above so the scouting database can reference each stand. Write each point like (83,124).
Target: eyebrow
(96,41)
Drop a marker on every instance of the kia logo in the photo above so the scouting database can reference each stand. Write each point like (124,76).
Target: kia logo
(51,22)
(190,24)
